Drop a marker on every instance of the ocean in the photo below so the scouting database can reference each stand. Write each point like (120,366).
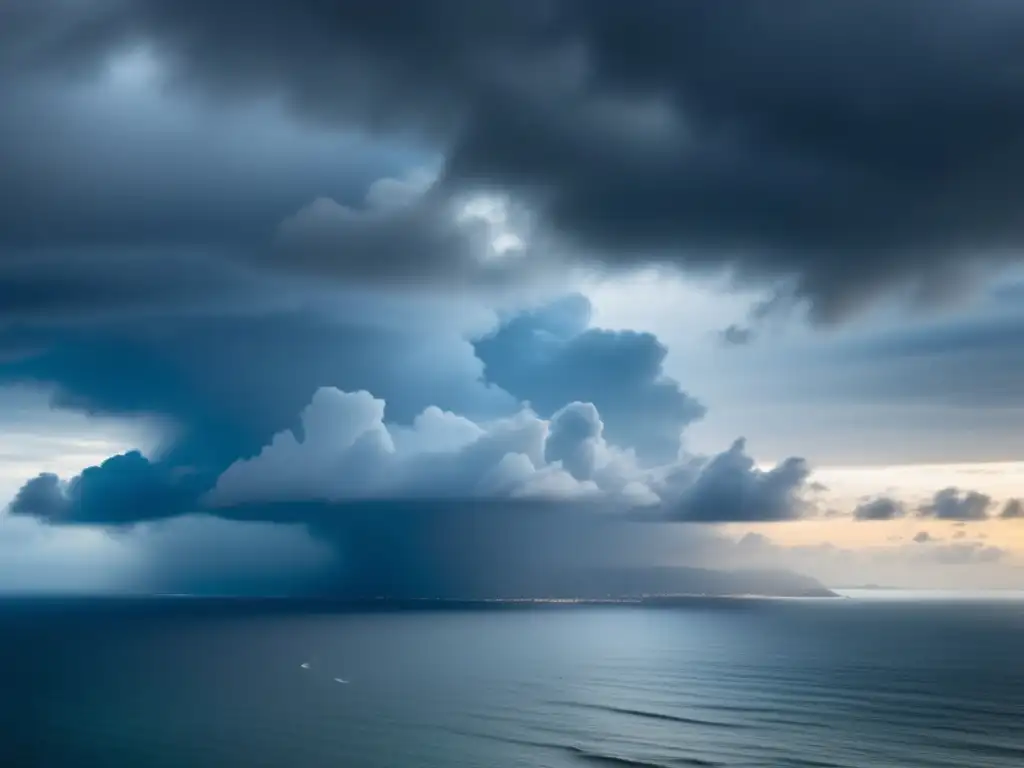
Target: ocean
(873,682)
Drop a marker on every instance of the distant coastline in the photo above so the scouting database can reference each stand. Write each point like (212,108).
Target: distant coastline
(644,585)
(222,605)
(127,605)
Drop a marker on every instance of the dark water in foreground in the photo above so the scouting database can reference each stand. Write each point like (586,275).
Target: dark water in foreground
(731,683)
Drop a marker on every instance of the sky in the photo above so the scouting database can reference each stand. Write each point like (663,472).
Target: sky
(301,294)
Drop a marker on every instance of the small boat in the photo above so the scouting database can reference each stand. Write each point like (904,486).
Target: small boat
(304,665)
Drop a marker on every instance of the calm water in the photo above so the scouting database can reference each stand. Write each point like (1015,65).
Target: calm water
(744,683)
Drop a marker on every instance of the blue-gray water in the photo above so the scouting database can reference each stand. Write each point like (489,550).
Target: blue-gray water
(875,683)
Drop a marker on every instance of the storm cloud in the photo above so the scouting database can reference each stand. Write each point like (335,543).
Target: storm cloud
(314,244)
(537,406)
(227,382)
(123,490)
(663,130)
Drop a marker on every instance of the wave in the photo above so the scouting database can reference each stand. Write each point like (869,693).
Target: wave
(652,715)
(602,758)
(593,756)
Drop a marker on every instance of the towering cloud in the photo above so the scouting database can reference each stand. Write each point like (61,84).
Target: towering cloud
(348,453)
(551,356)
(343,452)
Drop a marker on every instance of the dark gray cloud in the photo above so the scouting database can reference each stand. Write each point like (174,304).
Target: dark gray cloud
(123,490)
(113,163)
(406,235)
(550,357)
(882,508)
(42,286)
(1012,510)
(954,504)
(730,488)
(848,146)
(116,196)
(41,497)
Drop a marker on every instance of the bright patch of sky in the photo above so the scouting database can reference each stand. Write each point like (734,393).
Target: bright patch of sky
(36,438)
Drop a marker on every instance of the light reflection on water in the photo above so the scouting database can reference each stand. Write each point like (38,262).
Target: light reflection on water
(847,683)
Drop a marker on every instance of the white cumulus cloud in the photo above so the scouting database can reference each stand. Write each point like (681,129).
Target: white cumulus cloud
(345,450)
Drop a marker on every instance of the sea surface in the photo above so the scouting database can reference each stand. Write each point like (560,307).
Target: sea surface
(872,681)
